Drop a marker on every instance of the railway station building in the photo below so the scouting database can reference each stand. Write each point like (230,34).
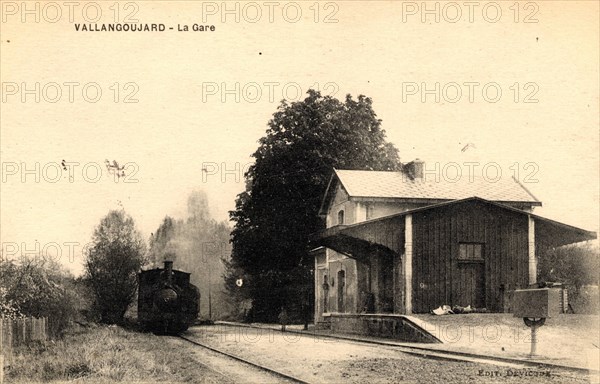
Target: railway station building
(398,243)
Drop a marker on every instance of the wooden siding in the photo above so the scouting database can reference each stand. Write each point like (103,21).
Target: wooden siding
(388,233)
(440,278)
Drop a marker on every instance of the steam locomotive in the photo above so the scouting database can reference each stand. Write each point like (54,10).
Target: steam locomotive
(167,302)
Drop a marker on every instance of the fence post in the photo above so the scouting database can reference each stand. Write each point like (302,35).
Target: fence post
(9,338)
(14,333)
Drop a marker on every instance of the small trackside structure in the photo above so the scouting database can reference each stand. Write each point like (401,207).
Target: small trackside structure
(534,306)
(396,243)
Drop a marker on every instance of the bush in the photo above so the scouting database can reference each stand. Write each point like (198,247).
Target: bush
(40,288)
(586,300)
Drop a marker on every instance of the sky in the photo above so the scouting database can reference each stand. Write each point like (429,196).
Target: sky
(511,86)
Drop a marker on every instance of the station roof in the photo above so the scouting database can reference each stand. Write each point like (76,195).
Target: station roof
(432,188)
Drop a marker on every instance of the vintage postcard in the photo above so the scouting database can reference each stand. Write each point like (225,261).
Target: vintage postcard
(299,191)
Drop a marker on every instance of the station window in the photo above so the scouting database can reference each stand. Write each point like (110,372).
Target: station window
(470,252)
(341,217)
(370,209)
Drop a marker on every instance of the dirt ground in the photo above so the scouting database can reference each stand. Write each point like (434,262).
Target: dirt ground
(566,339)
(323,360)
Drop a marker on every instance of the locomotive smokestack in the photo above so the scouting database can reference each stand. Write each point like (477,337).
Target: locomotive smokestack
(169,270)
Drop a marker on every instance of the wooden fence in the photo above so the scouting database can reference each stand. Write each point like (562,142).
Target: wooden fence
(14,333)
(17,332)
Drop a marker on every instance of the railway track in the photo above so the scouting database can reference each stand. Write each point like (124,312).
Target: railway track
(280,375)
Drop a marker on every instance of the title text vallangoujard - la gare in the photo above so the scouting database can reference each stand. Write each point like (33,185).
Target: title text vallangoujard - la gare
(141,28)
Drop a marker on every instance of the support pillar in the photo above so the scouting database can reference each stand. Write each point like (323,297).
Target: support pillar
(531,251)
(318,313)
(408,249)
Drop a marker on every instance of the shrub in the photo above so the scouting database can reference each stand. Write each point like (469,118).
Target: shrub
(40,288)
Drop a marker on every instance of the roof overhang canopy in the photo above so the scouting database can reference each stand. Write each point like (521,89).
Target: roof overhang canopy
(387,233)
(360,241)
(550,233)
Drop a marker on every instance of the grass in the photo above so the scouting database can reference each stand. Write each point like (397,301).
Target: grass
(101,354)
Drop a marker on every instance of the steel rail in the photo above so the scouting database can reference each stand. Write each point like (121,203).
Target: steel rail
(248,362)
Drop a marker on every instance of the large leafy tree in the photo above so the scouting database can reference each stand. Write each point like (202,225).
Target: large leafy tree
(112,263)
(278,211)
